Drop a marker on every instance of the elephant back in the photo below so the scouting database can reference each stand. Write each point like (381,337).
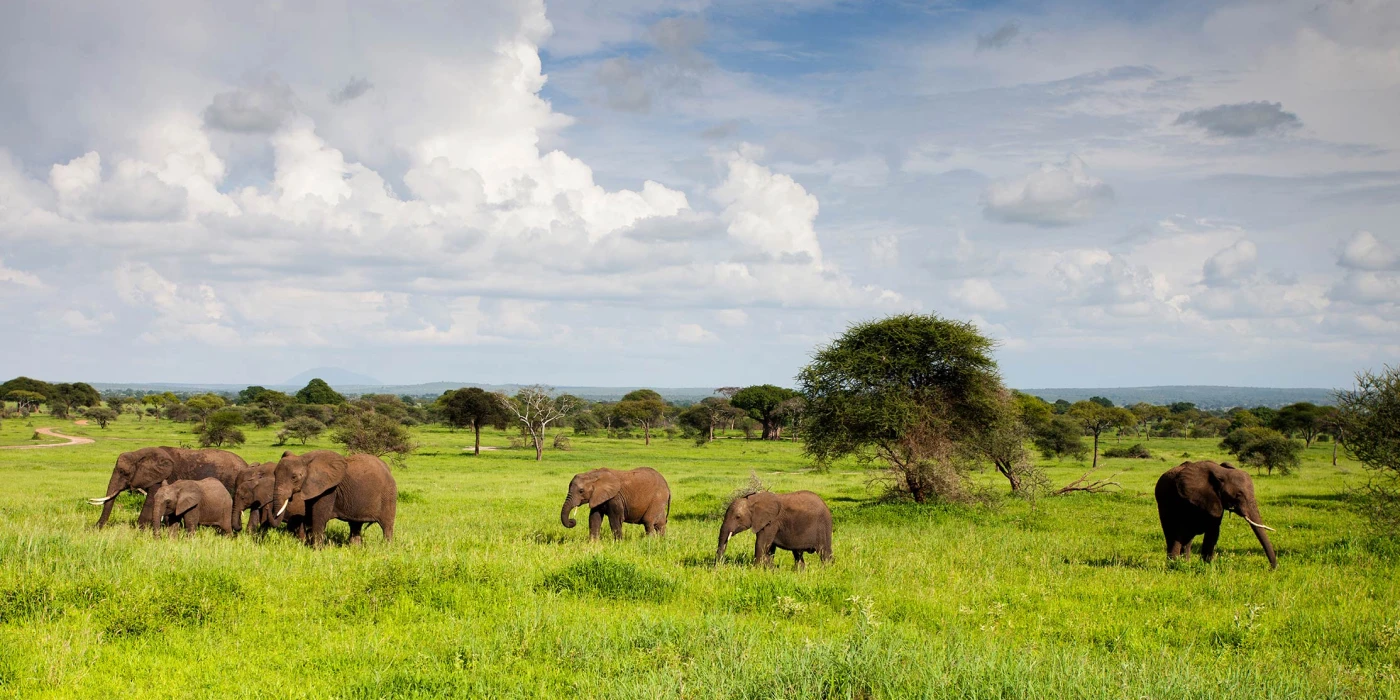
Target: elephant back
(222,465)
(368,492)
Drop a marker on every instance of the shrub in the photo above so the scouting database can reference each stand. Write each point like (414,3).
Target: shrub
(1263,447)
(102,416)
(609,578)
(261,417)
(1061,437)
(221,428)
(302,428)
(375,434)
(1133,452)
(561,442)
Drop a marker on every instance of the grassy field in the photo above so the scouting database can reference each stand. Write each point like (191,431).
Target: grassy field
(484,593)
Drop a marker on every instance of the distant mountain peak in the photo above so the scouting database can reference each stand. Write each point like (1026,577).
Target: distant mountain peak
(334,376)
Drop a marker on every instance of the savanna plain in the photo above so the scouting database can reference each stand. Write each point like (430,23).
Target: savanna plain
(484,593)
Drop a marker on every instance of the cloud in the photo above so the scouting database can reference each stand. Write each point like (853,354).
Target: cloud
(624,85)
(884,250)
(734,318)
(349,91)
(18,277)
(182,311)
(1227,266)
(1056,195)
(999,38)
(694,333)
(979,295)
(678,35)
(1368,288)
(770,212)
(1241,120)
(257,109)
(1365,252)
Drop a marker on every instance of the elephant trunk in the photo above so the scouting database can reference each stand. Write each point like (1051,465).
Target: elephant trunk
(238,506)
(725,532)
(115,486)
(566,514)
(1251,513)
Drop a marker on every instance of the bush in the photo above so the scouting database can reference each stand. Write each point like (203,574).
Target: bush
(261,417)
(609,578)
(375,434)
(561,442)
(1263,447)
(1134,452)
(101,416)
(302,428)
(1061,437)
(221,429)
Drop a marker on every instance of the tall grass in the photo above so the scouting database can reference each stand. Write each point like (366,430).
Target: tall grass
(484,593)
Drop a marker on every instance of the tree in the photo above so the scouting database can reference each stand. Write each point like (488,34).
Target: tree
(204,405)
(1369,418)
(304,428)
(471,408)
(1263,447)
(261,417)
(103,416)
(1005,442)
(762,403)
(1106,403)
(535,407)
(1034,412)
(221,428)
(317,391)
(1302,419)
(1148,416)
(25,400)
(790,412)
(375,434)
(642,407)
(26,384)
(1061,437)
(250,395)
(919,392)
(1096,418)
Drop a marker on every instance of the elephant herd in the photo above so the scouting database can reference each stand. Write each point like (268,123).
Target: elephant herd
(305,492)
(213,487)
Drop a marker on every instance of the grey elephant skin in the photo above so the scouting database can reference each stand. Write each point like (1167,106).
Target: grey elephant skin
(357,489)
(194,503)
(1193,498)
(146,469)
(799,522)
(636,497)
(253,492)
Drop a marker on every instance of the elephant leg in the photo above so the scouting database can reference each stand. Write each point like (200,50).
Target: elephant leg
(825,552)
(355,533)
(148,509)
(763,547)
(387,525)
(1208,543)
(191,523)
(595,523)
(1186,546)
(320,514)
(797,560)
(1173,547)
(615,522)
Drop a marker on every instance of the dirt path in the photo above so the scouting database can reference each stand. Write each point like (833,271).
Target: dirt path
(50,432)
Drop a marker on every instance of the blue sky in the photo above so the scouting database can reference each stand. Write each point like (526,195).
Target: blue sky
(698,192)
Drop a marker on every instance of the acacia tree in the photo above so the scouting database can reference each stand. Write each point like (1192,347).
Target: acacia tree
(536,407)
(25,401)
(1303,419)
(1370,427)
(643,407)
(919,392)
(1096,418)
(764,403)
(473,408)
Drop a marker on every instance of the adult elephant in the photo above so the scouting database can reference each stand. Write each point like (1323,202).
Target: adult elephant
(357,489)
(799,522)
(1193,497)
(636,496)
(147,468)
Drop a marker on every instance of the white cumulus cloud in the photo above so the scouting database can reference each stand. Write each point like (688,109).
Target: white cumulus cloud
(1055,195)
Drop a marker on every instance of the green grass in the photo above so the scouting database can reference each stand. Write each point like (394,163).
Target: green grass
(484,593)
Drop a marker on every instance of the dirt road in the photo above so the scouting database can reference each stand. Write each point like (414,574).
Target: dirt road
(50,432)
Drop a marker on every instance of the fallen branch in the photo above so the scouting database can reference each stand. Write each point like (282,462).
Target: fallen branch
(1096,486)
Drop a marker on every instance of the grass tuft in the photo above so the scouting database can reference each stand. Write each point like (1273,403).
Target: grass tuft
(606,577)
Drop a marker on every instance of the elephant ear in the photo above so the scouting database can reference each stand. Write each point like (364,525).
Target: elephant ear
(324,473)
(186,500)
(155,468)
(605,488)
(764,509)
(1203,491)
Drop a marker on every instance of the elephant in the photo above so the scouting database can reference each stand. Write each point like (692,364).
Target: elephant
(635,496)
(195,503)
(253,493)
(1192,499)
(147,468)
(799,522)
(357,489)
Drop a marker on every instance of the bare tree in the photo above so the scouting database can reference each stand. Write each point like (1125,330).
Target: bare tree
(536,407)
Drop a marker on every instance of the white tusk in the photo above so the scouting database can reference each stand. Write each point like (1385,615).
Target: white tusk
(571,513)
(284,507)
(726,537)
(100,501)
(1251,522)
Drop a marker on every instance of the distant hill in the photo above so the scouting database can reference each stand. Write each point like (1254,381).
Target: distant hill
(1207,397)
(682,395)
(334,376)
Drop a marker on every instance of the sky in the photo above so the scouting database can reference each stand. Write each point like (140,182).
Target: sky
(697,192)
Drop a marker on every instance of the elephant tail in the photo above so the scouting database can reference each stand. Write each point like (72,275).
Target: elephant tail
(668,507)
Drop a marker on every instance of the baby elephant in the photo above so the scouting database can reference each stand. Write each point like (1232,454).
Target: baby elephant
(195,503)
(798,522)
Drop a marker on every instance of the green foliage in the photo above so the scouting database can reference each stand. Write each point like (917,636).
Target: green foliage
(920,392)
(375,434)
(26,384)
(1263,448)
(642,407)
(1136,451)
(764,404)
(1061,437)
(260,416)
(101,416)
(317,391)
(1106,403)
(202,406)
(303,428)
(606,577)
(221,428)
(1368,425)
(1301,419)
(250,395)
(26,400)
(471,407)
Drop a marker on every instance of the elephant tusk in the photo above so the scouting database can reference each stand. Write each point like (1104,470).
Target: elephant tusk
(727,536)
(1251,522)
(284,507)
(100,501)
(571,513)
